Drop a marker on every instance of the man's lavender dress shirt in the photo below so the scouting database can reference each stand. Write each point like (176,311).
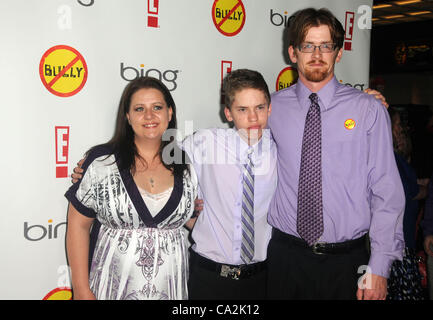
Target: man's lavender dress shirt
(362,190)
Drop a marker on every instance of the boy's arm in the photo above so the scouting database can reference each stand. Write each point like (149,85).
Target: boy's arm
(378,96)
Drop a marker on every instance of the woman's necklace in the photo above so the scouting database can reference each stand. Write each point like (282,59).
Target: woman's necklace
(149,170)
(151,180)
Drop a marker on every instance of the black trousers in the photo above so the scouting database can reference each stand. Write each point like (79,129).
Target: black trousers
(204,284)
(295,272)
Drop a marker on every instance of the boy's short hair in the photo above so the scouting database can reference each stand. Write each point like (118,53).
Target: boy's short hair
(304,19)
(243,79)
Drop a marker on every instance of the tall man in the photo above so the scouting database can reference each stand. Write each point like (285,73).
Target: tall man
(337,177)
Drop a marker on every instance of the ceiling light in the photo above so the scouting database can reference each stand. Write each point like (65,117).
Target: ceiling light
(418,13)
(402,3)
(380,6)
(395,16)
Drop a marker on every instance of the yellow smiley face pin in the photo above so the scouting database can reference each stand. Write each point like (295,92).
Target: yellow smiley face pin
(349,124)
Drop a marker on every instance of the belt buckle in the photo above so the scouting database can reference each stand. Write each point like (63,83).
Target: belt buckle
(230,272)
(317,246)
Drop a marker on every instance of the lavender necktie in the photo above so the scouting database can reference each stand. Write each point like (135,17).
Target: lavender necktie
(310,207)
(247,218)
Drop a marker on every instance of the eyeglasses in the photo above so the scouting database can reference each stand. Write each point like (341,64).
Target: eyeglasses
(309,48)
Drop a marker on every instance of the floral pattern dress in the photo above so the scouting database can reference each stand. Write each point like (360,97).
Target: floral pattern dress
(133,255)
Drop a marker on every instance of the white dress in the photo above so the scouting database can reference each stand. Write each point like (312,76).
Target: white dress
(134,255)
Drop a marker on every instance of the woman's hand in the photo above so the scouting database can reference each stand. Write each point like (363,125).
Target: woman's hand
(83,295)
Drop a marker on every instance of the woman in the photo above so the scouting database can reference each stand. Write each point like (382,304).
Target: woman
(140,203)
(404,282)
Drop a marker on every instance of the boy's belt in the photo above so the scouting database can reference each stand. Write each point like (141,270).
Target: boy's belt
(235,272)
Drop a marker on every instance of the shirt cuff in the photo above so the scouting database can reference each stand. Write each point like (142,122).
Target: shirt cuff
(380,264)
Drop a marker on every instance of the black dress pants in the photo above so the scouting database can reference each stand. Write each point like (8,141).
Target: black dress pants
(296,273)
(204,284)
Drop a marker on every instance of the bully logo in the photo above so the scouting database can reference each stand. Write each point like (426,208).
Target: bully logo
(228,16)
(286,78)
(63,71)
(349,124)
(63,293)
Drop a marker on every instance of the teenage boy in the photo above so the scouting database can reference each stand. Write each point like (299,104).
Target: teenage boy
(236,169)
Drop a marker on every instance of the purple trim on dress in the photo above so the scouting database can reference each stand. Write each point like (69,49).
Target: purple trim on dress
(140,206)
(71,192)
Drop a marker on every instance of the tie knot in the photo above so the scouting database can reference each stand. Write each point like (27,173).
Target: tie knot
(249,158)
(314,98)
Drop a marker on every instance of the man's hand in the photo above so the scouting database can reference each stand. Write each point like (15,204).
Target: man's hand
(428,245)
(78,172)
(378,96)
(372,287)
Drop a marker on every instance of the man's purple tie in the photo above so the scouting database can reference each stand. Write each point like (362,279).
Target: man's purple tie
(310,207)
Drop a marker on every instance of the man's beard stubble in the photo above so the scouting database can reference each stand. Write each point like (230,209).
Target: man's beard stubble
(316,75)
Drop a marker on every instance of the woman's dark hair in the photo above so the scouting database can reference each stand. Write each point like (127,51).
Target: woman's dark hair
(122,143)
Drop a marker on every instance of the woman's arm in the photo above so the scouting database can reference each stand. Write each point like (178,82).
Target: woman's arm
(77,246)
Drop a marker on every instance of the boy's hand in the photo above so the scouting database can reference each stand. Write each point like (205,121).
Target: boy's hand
(378,96)
(78,172)
(198,207)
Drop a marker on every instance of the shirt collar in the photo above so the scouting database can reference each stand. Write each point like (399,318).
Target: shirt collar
(325,94)
(258,150)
